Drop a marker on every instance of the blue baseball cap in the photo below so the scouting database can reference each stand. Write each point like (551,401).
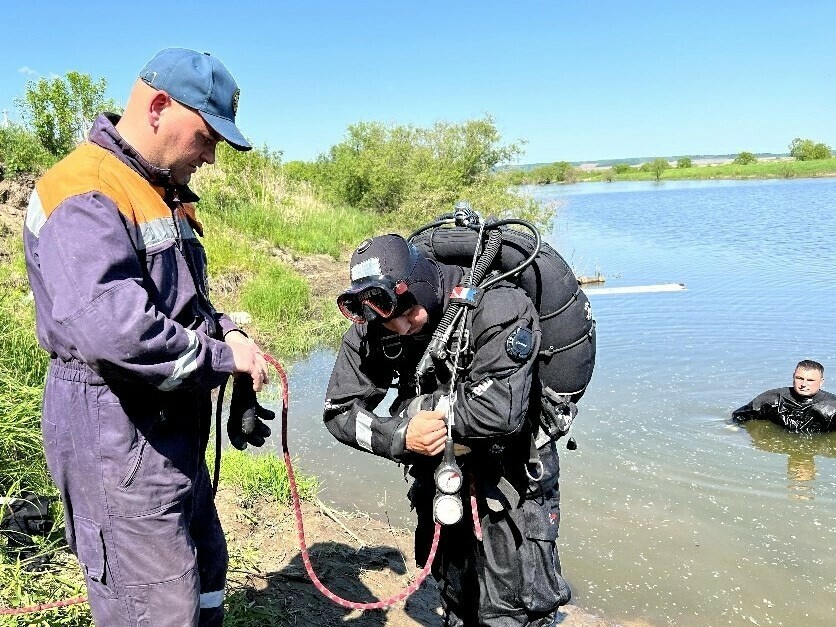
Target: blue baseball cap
(201,82)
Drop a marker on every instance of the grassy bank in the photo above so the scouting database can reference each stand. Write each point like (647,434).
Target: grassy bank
(563,172)
(762,170)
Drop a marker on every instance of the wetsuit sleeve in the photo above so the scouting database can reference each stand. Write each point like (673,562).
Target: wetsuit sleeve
(493,399)
(356,388)
(100,304)
(758,408)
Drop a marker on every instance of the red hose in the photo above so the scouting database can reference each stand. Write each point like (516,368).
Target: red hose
(300,528)
(43,606)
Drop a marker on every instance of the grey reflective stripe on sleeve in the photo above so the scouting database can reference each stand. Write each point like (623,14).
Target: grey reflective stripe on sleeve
(156,231)
(363,430)
(35,216)
(185,364)
(211,599)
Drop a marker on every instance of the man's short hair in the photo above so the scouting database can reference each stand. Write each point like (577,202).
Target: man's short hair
(809,364)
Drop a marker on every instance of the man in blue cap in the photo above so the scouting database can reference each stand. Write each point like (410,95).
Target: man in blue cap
(136,346)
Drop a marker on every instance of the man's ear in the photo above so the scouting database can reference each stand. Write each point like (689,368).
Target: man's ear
(159,103)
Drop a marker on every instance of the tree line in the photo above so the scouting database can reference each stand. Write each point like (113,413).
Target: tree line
(376,166)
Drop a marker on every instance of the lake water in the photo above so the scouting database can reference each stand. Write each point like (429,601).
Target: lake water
(671,514)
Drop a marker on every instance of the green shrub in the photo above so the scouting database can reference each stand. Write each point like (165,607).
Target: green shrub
(656,167)
(621,168)
(301,171)
(558,172)
(684,162)
(808,150)
(21,151)
(388,167)
(745,158)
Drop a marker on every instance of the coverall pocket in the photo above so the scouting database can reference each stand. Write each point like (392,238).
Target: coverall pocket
(543,588)
(91,554)
(154,547)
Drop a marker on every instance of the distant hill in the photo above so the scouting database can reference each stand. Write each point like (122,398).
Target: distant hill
(606,163)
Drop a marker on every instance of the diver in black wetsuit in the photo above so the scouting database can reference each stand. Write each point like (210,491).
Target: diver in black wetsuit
(510,575)
(804,407)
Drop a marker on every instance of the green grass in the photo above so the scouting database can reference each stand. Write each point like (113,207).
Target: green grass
(255,228)
(22,370)
(263,475)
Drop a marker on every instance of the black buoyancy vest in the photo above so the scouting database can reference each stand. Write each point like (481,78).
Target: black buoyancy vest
(567,350)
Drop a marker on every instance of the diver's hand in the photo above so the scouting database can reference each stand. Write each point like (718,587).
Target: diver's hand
(426,433)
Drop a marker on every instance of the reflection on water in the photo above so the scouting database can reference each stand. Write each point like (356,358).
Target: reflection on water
(671,514)
(800,449)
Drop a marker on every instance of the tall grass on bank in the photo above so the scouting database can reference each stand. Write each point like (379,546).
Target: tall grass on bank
(22,370)
(257,223)
(263,475)
(250,193)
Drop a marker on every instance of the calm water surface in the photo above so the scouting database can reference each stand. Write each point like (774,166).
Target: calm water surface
(670,514)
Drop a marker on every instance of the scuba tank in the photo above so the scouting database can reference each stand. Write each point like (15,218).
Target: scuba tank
(497,252)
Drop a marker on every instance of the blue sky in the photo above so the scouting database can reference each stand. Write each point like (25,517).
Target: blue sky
(576,80)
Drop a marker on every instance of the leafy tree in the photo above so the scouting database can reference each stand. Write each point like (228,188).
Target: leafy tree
(60,110)
(657,166)
(808,150)
(684,162)
(621,168)
(745,158)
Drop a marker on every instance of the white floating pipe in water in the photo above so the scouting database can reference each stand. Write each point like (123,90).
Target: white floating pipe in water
(635,289)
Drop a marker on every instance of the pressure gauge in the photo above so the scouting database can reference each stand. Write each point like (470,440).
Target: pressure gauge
(448,475)
(447,509)
(448,478)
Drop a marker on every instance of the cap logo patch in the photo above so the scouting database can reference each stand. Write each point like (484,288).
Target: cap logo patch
(235,97)
(369,267)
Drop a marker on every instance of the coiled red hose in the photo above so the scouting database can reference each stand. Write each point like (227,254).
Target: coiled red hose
(300,528)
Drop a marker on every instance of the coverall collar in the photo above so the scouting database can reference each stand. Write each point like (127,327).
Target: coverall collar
(105,135)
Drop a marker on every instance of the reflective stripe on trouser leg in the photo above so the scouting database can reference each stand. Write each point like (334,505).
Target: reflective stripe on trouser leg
(211,599)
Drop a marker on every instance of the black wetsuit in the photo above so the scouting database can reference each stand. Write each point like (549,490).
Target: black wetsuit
(808,414)
(511,577)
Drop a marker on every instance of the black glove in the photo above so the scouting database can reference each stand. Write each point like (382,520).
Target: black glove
(245,415)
